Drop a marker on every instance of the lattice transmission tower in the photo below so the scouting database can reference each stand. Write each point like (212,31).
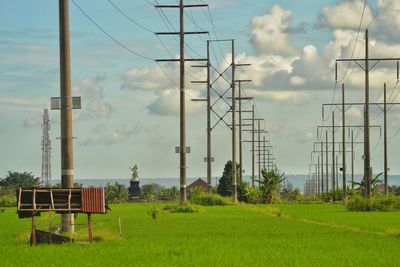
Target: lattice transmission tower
(46,149)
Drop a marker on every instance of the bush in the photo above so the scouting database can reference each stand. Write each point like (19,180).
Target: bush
(153,212)
(292,195)
(358,203)
(201,198)
(116,193)
(8,201)
(181,208)
(253,195)
(169,194)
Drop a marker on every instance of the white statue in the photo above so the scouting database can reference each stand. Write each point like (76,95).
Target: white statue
(135,175)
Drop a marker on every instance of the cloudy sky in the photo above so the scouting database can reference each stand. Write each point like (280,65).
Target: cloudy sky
(130,111)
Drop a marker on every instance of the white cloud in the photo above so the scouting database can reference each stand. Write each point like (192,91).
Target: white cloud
(105,135)
(297,81)
(159,77)
(346,15)
(289,97)
(94,104)
(35,120)
(23,104)
(168,103)
(388,22)
(149,78)
(354,113)
(269,32)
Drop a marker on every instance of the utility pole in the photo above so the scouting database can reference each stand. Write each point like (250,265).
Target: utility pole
(333,156)
(344,146)
(67,167)
(253,150)
(234,174)
(259,154)
(208,118)
(240,98)
(379,105)
(352,159)
(327,161)
(240,134)
(264,149)
(367,147)
(319,175)
(182,105)
(385,140)
(322,167)
(366,68)
(337,172)
(182,148)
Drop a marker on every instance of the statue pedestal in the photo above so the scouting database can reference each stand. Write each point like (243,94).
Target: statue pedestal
(134,190)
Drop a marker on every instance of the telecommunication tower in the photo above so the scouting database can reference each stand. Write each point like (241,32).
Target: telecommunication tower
(46,149)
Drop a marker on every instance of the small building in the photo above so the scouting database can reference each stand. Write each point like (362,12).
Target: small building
(199,183)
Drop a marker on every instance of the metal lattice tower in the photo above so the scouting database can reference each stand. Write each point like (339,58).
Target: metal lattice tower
(46,149)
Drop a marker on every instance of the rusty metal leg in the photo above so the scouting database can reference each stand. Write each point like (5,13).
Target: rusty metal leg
(90,227)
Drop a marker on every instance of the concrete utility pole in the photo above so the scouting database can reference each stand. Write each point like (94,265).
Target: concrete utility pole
(259,145)
(182,105)
(344,146)
(240,134)
(239,99)
(352,159)
(385,165)
(264,155)
(67,166)
(182,147)
(333,156)
(234,174)
(337,172)
(319,175)
(253,149)
(208,118)
(327,161)
(367,147)
(322,167)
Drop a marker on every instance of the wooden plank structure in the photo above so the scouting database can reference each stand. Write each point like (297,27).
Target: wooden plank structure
(33,201)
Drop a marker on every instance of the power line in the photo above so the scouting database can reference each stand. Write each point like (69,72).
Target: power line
(352,54)
(109,35)
(376,14)
(128,17)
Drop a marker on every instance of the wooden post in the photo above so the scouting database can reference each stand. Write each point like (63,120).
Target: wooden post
(90,227)
(33,233)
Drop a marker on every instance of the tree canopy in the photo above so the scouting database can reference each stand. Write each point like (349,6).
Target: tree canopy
(16,180)
(225,182)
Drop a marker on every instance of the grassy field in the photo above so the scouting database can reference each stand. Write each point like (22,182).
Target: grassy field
(282,235)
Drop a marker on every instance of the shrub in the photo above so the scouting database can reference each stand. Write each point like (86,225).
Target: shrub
(358,203)
(8,201)
(204,199)
(253,195)
(181,208)
(169,194)
(116,193)
(153,212)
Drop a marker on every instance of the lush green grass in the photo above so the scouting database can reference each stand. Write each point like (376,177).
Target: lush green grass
(336,215)
(298,235)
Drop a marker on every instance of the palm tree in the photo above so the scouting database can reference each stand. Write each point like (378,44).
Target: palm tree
(269,184)
(375,183)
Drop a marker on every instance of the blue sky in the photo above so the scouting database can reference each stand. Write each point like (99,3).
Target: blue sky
(129,110)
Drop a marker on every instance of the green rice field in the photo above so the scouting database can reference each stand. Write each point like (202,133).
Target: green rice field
(240,235)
